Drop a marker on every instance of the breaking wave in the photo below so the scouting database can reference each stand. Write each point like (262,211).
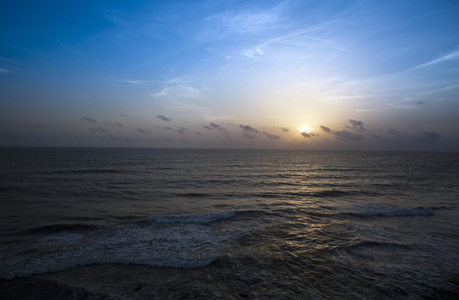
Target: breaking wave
(176,241)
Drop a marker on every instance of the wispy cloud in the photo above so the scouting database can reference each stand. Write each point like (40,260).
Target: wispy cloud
(252,53)
(248,129)
(132,81)
(407,103)
(347,135)
(271,136)
(249,136)
(446,57)
(95,130)
(308,134)
(213,126)
(163,117)
(2,70)
(356,125)
(325,128)
(114,16)
(231,23)
(178,91)
(249,132)
(113,124)
(142,130)
(182,130)
(182,92)
(304,38)
(88,120)
(164,127)
(284,129)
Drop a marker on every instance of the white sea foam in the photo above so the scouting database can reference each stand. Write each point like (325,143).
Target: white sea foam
(171,244)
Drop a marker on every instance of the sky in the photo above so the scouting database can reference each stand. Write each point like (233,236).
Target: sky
(334,75)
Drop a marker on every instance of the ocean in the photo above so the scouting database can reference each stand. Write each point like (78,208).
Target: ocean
(105,223)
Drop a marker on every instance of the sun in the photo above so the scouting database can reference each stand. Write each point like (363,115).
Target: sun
(305,129)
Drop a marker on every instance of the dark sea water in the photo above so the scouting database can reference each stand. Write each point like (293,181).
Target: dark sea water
(227,224)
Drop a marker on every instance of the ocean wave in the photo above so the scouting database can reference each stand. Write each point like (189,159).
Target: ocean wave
(95,171)
(9,188)
(81,171)
(442,208)
(389,211)
(330,193)
(362,245)
(204,218)
(60,228)
(322,193)
(180,242)
(193,195)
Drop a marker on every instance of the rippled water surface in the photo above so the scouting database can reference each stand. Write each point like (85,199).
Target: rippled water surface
(169,223)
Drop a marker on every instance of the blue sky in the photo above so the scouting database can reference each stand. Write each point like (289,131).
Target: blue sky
(380,75)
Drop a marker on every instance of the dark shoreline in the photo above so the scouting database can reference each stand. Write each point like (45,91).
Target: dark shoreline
(118,281)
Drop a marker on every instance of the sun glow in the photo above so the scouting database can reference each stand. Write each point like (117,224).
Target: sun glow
(305,129)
